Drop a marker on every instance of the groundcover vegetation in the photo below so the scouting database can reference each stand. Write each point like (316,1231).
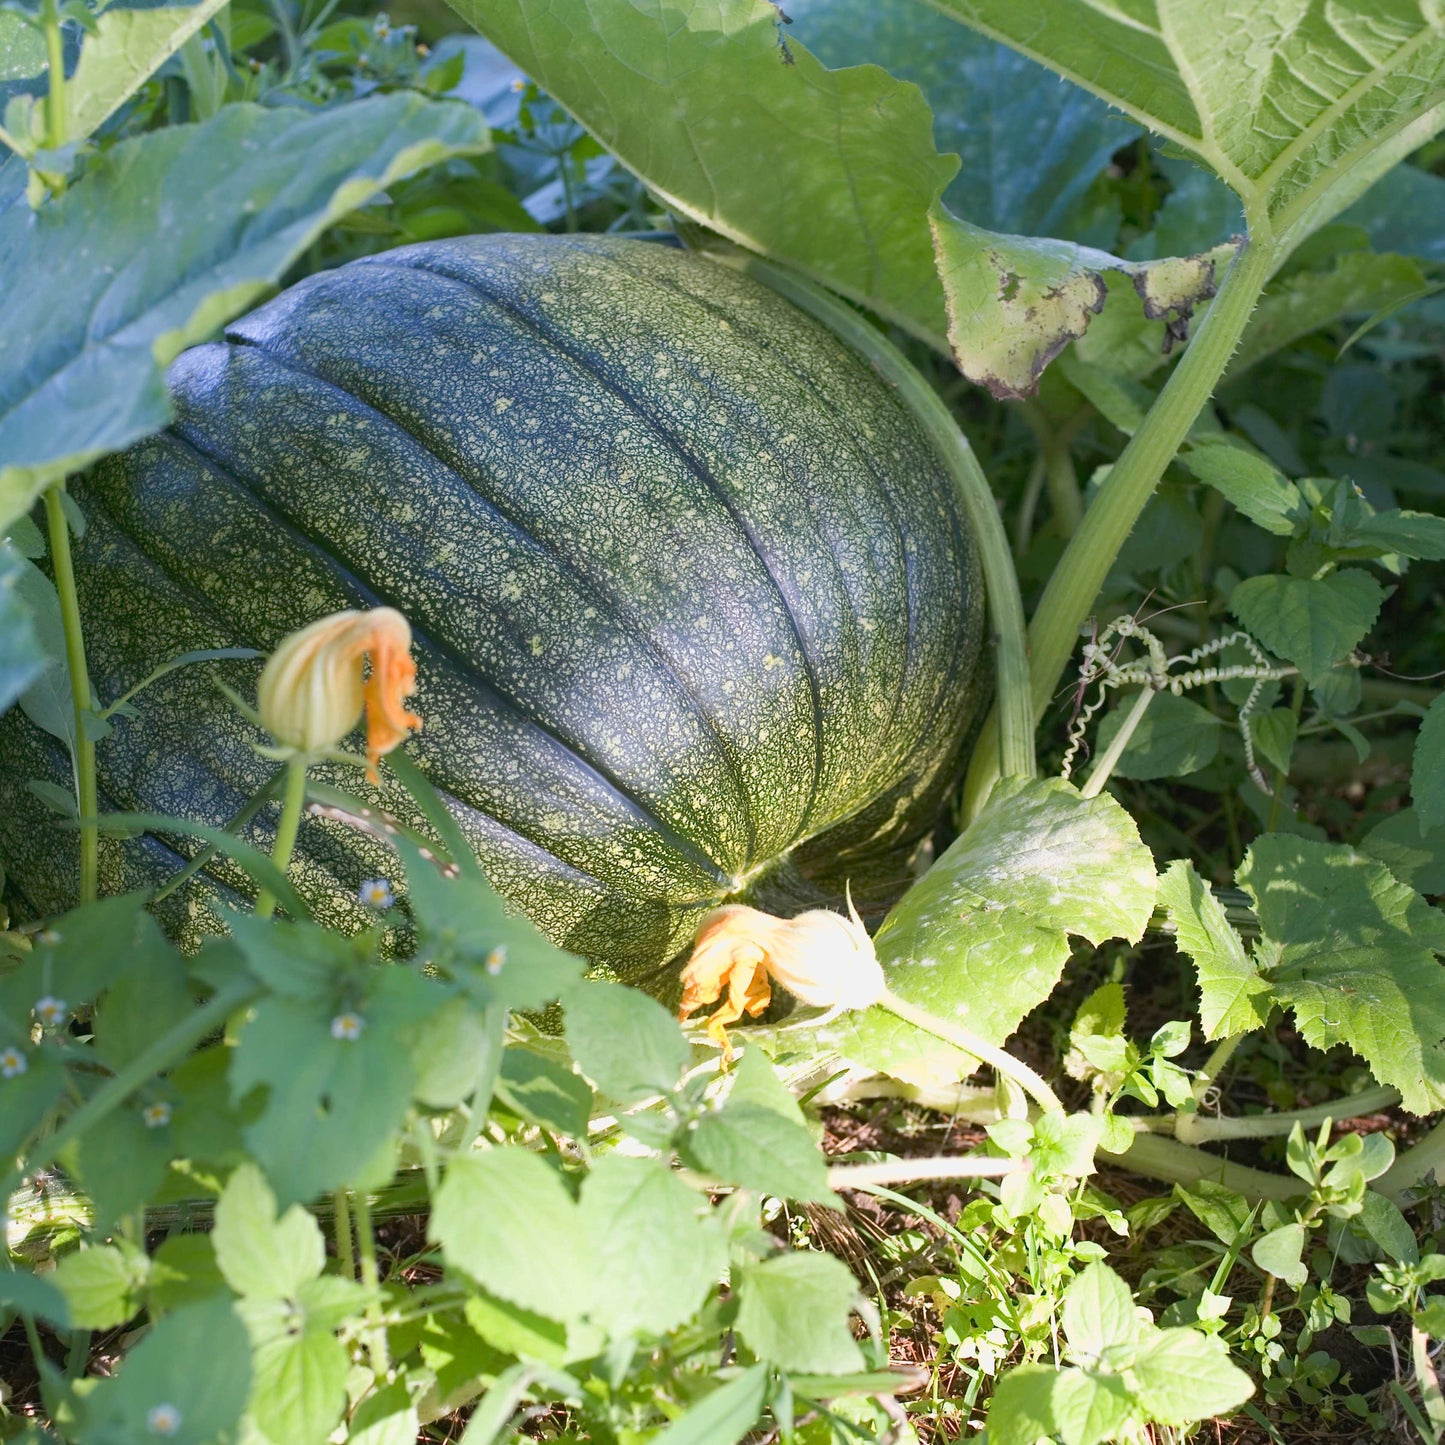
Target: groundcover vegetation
(1133,1130)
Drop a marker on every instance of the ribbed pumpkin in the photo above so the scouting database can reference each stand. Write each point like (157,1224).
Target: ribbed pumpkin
(697,614)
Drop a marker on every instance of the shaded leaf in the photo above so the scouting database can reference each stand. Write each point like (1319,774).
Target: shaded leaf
(22,659)
(1312,622)
(1174,738)
(545,1092)
(625,1042)
(164,238)
(724,1416)
(1427,776)
(1414,855)
(1250,484)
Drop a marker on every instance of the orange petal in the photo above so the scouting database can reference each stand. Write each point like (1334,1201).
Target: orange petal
(387,637)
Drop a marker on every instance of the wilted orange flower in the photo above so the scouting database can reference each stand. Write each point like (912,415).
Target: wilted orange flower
(313,690)
(820,957)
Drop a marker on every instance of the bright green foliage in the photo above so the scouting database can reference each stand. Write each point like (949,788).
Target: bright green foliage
(1254,487)
(1125,1372)
(794,1313)
(984,936)
(168,211)
(624,1041)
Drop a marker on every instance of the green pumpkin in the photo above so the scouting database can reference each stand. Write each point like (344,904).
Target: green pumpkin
(697,612)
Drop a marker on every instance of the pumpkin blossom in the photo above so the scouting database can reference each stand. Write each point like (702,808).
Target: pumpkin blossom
(820,957)
(314,688)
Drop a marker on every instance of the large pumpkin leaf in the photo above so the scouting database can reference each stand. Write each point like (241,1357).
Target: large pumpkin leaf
(983,937)
(1297,104)
(743,130)
(1029,148)
(164,239)
(1352,951)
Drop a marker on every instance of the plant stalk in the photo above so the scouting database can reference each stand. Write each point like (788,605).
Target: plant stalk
(86,792)
(970,1043)
(56,123)
(293,804)
(376,1347)
(1109,758)
(1074,586)
(1001,587)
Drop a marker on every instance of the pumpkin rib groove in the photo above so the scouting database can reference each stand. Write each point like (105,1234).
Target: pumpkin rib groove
(627,621)
(741,327)
(686,850)
(702,473)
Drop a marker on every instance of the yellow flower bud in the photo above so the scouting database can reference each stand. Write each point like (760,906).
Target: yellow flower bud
(820,957)
(313,689)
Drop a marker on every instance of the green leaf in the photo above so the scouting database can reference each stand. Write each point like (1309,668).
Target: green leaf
(187,1381)
(452,1052)
(22,659)
(1274,733)
(1414,856)
(1249,484)
(258,1253)
(183,1272)
(1404,211)
(1223,1212)
(983,936)
(163,239)
(1355,283)
(1233,998)
(724,1416)
(1311,622)
(466,929)
(46,701)
(652,1252)
(1181,1376)
(26,1097)
(300,1371)
(1098,1311)
(102,1286)
(1032,1402)
(756,1147)
(1297,104)
(1352,951)
(1419,535)
(793,1312)
(386,1417)
(545,1092)
(33,1294)
(1427,775)
(625,1042)
(739,129)
(122,1165)
(1029,147)
(506,1218)
(1280,1253)
(1176,737)
(128,46)
(513,1331)
(334,1095)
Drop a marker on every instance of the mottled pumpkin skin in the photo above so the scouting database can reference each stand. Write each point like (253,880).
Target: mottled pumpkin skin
(697,614)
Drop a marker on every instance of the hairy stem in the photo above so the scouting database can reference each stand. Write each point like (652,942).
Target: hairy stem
(1005,606)
(55,118)
(341,1231)
(376,1348)
(86,793)
(292,806)
(1074,586)
(970,1043)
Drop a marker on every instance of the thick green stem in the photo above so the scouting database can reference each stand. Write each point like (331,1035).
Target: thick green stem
(998,1059)
(56,123)
(341,1230)
(86,794)
(164,1053)
(292,806)
(1074,586)
(1005,606)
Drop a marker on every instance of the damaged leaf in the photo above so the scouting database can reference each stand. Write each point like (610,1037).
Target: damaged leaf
(1014,302)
